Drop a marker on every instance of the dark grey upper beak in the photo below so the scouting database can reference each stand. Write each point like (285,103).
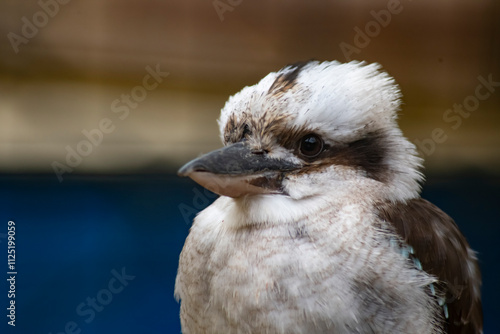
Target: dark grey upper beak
(236,159)
(236,170)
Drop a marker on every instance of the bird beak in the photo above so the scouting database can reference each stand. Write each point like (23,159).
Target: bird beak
(236,170)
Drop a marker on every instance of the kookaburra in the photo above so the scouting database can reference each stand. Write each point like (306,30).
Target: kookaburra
(319,227)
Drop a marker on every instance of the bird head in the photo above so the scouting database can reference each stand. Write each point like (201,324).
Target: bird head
(312,128)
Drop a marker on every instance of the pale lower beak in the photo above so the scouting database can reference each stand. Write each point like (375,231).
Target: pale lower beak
(236,170)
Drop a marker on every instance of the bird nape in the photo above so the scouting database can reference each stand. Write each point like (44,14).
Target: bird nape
(319,226)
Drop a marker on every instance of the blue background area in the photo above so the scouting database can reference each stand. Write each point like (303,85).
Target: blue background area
(71,235)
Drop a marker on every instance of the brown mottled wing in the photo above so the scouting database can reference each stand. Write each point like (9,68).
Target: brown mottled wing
(444,253)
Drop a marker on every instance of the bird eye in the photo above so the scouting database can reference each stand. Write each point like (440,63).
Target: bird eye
(310,146)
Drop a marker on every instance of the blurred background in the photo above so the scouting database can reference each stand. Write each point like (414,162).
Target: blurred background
(101,101)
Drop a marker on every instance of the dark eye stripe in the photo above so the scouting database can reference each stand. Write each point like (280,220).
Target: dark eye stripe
(367,154)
